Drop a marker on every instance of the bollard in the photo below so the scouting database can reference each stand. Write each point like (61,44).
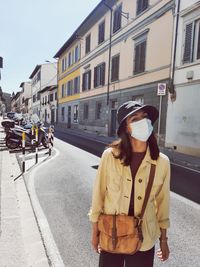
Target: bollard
(23,151)
(36,140)
(32,137)
(49,140)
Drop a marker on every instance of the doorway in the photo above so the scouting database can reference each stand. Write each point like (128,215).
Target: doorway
(69,117)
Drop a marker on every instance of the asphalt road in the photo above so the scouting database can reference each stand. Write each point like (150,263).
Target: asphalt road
(184,181)
(64,190)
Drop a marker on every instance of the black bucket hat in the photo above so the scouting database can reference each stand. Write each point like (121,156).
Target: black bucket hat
(130,107)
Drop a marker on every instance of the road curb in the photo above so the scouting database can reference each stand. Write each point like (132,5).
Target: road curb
(51,249)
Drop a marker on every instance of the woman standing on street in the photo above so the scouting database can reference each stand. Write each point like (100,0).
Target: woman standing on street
(121,182)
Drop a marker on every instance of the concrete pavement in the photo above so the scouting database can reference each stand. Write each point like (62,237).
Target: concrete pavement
(20,240)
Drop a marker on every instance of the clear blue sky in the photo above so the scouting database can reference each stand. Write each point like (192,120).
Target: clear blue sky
(32,31)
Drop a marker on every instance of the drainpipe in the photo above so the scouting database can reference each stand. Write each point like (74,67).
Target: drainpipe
(172,70)
(57,94)
(109,56)
(109,63)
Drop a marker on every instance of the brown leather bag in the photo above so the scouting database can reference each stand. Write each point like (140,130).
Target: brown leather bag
(123,233)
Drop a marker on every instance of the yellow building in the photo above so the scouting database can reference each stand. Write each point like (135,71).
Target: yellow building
(68,82)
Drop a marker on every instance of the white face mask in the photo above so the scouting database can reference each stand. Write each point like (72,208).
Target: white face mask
(141,129)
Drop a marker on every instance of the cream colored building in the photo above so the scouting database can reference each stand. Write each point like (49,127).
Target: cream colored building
(183,121)
(42,76)
(25,95)
(48,97)
(123,57)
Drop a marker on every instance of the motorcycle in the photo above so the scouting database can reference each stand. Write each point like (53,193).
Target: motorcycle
(14,136)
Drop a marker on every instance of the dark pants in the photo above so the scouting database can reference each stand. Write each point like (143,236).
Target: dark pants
(139,259)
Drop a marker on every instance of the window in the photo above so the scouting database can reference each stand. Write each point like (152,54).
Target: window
(34,98)
(98,110)
(38,95)
(87,44)
(115,68)
(69,59)
(51,97)
(86,85)
(140,56)
(99,75)
(192,42)
(38,76)
(63,113)
(69,87)
(63,90)
(85,111)
(117,19)
(101,36)
(77,85)
(55,95)
(76,54)
(141,6)
(63,64)
(75,113)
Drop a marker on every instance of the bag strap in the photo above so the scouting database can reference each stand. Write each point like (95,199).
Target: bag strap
(148,190)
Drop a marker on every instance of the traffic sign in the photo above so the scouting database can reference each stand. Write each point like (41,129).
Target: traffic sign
(161,89)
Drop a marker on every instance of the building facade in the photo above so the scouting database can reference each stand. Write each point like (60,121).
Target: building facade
(48,97)
(16,102)
(69,83)
(122,44)
(42,76)
(25,97)
(183,123)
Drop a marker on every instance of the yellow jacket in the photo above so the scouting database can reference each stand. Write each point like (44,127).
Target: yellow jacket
(112,191)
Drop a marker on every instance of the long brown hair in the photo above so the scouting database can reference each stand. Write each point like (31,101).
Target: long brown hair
(123,145)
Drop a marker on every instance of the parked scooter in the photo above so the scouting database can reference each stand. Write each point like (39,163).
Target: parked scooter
(14,136)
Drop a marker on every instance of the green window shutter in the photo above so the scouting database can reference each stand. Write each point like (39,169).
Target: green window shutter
(89,80)
(95,77)
(103,74)
(198,44)
(143,56)
(83,82)
(188,46)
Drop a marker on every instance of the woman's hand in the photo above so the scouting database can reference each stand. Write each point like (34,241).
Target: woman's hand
(95,238)
(163,252)
(95,243)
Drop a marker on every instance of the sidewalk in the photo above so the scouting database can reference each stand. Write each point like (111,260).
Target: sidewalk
(175,157)
(20,240)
